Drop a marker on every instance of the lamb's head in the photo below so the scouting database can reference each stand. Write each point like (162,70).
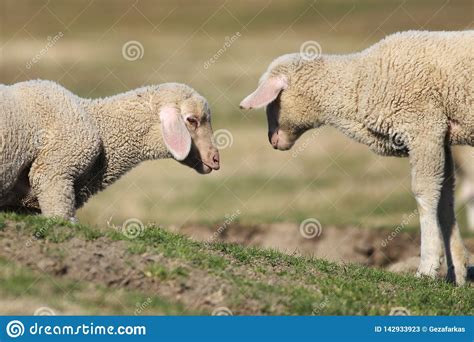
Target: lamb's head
(281,90)
(185,122)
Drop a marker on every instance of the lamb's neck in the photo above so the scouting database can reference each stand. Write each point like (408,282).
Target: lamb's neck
(338,91)
(124,123)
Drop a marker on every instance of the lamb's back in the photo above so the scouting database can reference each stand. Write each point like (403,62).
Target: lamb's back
(423,74)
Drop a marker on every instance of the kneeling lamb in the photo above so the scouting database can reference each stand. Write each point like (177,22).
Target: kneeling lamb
(57,149)
(410,95)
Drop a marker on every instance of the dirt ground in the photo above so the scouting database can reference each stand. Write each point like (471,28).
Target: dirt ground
(397,252)
(111,264)
(108,263)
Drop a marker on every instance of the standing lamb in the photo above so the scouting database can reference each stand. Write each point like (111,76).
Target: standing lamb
(57,149)
(410,95)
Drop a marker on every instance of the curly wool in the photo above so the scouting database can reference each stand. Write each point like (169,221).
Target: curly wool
(411,94)
(57,149)
(402,85)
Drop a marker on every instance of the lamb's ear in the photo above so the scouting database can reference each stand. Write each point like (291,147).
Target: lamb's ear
(266,92)
(175,133)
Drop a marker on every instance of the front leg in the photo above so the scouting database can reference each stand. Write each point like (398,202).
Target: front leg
(55,192)
(53,177)
(427,159)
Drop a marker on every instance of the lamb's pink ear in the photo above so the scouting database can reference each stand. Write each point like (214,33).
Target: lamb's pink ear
(266,92)
(175,133)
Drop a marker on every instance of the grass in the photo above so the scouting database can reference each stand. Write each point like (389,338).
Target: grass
(24,291)
(330,178)
(259,281)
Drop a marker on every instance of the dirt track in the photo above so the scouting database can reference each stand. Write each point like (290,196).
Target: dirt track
(111,264)
(370,247)
(108,263)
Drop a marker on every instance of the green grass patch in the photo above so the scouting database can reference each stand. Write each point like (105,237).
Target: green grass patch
(263,280)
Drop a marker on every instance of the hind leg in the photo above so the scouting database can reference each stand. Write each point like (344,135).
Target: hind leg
(470,214)
(456,254)
(467,198)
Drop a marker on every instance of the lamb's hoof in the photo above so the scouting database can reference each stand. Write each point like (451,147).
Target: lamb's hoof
(422,275)
(457,275)
(427,274)
(408,265)
(470,273)
(74,220)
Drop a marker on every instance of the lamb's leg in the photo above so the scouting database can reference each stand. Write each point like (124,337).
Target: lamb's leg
(470,214)
(52,178)
(456,254)
(52,184)
(467,197)
(55,195)
(427,162)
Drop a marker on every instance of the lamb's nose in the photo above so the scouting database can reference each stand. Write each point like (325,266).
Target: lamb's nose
(216,161)
(274,139)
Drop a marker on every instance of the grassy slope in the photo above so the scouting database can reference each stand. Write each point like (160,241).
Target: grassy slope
(255,281)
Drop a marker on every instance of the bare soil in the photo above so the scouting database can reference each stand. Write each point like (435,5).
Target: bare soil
(398,252)
(111,264)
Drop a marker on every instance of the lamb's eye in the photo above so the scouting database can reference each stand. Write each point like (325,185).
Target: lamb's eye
(193,121)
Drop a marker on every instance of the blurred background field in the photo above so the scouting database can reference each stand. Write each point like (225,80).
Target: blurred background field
(259,196)
(326,176)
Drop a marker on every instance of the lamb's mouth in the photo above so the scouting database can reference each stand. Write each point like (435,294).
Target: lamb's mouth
(198,165)
(280,140)
(203,167)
